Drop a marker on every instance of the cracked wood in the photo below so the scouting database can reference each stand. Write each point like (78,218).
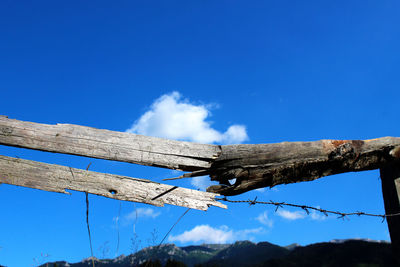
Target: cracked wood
(253,166)
(58,178)
(267,165)
(105,144)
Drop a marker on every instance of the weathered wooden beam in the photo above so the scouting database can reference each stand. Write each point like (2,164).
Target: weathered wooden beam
(253,166)
(105,144)
(267,165)
(390,177)
(58,178)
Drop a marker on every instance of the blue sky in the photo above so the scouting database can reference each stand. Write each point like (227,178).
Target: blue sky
(273,70)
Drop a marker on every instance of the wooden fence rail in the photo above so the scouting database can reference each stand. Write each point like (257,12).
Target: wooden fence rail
(58,178)
(104,144)
(267,165)
(252,166)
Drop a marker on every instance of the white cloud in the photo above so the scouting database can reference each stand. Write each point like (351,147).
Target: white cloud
(317,216)
(295,215)
(246,233)
(291,215)
(207,234)
(141,213)
(235,134)
(204,233)
(263,219)
(172,117)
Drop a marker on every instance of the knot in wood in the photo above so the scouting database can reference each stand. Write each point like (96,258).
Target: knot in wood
(5,130)
(346,149)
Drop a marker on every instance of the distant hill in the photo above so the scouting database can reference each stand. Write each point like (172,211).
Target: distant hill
(246,253)
(190,256)
(349,253)
(359,253)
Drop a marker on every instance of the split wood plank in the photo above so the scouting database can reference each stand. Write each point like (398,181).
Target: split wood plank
(267,165)
(56,178)
(105,144)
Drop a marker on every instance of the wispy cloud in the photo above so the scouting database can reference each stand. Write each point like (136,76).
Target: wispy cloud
(201,182)
(172,117)
(207,234)
(266,189)
(317,216)
(296,215)
(291,215)
(263,219)
(141,213)
(204,233)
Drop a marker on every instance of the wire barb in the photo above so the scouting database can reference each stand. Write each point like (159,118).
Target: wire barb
(253,202)
(341,215)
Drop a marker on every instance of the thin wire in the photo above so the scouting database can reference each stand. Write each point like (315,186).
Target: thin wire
(88,227)
(341,215)
(117,222)
(173,226)
(136,218)
(166,235)
(87,216)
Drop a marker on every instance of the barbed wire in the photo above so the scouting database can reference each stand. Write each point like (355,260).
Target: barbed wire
(341,215)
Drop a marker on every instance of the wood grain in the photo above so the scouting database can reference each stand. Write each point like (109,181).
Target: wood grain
(253,166)
(267,165)
(105,144)
(58,178)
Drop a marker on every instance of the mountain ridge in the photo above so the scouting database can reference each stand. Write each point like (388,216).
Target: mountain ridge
(347,252)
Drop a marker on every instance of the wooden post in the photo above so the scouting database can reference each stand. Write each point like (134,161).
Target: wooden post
(390,175)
